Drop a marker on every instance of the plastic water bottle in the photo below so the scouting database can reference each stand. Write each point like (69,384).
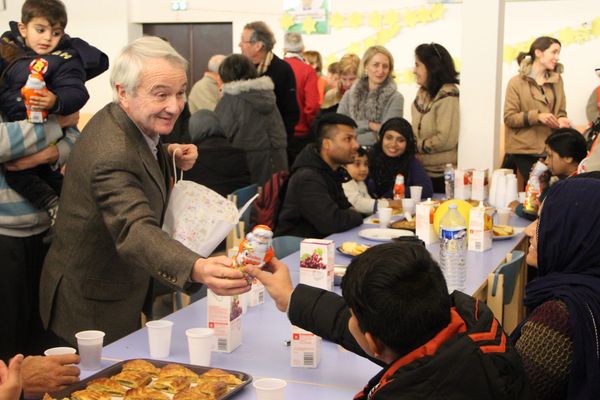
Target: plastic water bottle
(449,181)
(453,249)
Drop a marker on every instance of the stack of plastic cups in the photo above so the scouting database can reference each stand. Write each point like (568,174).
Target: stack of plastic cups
(501,192)
(512,193)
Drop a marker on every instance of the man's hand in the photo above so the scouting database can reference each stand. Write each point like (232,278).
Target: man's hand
(47,156)
(548,119)
(10,378)
(216,273)
(66,121)
(48,374)
(278,283)
(43,100)
(185,155)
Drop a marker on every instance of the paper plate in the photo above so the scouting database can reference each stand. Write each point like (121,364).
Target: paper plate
(516,231)
(383,235)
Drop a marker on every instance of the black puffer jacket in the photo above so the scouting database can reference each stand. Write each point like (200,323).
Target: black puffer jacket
(72,63)
(471,358)
(315,204)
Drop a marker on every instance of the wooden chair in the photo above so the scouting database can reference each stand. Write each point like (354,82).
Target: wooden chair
(501,298)
(283,246)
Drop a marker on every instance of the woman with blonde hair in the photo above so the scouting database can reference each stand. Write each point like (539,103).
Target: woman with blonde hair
(348,73)
(374,98)
(534,105)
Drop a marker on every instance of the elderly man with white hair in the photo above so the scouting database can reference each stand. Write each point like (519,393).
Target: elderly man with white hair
(205,93)
(108,243)
(307,93)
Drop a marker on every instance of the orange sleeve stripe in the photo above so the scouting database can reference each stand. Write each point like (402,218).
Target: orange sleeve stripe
(491,335)
(501,348)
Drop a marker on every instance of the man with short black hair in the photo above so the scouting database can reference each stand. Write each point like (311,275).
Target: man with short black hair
(396,311)
(257,43)
(315,204)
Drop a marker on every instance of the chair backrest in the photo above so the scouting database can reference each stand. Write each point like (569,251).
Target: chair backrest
(283,246)
(240,197)
(510,270)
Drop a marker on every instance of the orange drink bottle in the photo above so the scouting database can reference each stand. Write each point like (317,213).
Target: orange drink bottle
(399,187)
(34,86)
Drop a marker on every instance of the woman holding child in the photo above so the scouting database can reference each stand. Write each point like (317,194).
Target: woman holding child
(373,99)
(435,111)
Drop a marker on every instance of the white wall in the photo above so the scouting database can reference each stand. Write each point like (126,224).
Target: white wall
(109,24)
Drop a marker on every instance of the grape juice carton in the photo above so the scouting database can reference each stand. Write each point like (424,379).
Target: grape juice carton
(480,228)
(225,317)
(305,348)
(256,295)
(425,229)
(316,263)
(463,179)
(480,189)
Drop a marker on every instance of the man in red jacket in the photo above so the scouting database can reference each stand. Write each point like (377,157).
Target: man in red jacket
(307,93)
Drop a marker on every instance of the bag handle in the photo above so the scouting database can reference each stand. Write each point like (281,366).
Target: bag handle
(175,167)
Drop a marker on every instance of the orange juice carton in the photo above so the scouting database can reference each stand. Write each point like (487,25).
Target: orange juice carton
(305,348)
(316,262)
(480,228)
(424,221)
(463,179)
(480,189)
(225,317)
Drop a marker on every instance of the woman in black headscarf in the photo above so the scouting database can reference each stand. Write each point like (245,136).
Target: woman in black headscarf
(220,166)
(559,341)
(393,154)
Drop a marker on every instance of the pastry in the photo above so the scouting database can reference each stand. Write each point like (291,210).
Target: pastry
(177,370)
(172,384)
(502,230)
(89,395)
(212,389)
(192,394)
(145,393)
(141,365)
(218,375)
(353,248)
(132,379)
(106,385)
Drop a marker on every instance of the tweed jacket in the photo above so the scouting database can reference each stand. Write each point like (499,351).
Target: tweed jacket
(436,122)
(108,241)
(524,101)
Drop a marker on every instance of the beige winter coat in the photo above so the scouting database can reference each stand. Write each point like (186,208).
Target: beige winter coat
(436,124)
(525,100)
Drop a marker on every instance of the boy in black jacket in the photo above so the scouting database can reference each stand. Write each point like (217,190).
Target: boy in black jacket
(38,43)
(396,310)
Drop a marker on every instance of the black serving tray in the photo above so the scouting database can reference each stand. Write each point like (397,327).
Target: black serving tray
(116,368)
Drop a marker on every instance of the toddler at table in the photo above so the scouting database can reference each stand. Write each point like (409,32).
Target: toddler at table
(356,190)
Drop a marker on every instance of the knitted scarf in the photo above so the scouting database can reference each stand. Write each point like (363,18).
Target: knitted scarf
(264,65)
(368,104)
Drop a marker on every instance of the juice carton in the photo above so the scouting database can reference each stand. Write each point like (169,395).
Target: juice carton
(256,295)
(316,263)
(480,189)
(480,228)
(463,179)
(305,348)
(225,317)
(424,221)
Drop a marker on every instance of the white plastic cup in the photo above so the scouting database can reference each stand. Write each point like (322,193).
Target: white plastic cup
(159,338)
(385,216)
(415,193)
(200,342)
(409,205)
(503,216)
(522,197)
(59,351)
(89,344)
(270,389)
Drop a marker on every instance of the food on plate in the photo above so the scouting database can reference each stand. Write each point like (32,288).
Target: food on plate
(218,375)
(133,379)
(353,248)
(172,384)
(106,385)
(141,365)
(145,393)
(89,395)
(502,230)
(404,224)
(177,370)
